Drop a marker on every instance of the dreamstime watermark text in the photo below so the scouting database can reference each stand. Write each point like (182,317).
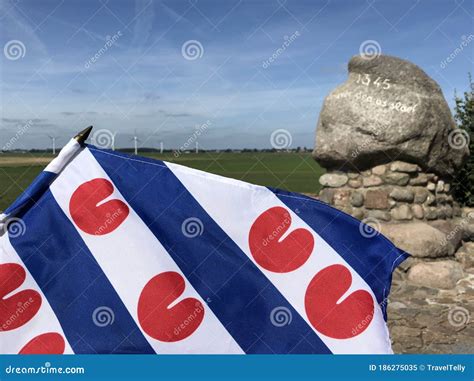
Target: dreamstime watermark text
(109,42)
(21,308)
(288,40)
(280,229)
(198,131)
(109,221)
(44,369)
(199,309)
(465,41)
(19,133)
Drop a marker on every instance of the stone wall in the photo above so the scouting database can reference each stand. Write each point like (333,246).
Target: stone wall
(396,191)
(431,303)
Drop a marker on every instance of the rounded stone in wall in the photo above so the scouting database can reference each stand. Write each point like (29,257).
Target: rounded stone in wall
(333,180)
(417,238)
(440,274)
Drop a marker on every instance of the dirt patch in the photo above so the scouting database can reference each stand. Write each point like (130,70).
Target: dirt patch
(22,161)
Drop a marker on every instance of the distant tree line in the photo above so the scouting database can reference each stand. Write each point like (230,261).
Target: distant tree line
(155,150)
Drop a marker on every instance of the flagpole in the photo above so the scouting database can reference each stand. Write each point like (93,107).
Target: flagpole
(69,151)
(30,196)
(82,136)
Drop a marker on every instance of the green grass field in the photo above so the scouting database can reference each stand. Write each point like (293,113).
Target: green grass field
(296,172)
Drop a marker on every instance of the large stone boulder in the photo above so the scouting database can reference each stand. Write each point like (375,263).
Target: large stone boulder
(388,109)
(441,274)
(418,239)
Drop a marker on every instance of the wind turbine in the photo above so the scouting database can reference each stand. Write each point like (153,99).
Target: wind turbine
(161,147)
(53,140)
(197,147)
(135,142)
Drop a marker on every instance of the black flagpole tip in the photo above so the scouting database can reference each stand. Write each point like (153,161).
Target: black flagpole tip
(82,136)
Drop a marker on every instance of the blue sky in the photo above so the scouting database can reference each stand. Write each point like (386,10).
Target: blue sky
(142,80)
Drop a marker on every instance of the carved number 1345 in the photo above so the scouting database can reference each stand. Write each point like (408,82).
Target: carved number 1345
(365,79)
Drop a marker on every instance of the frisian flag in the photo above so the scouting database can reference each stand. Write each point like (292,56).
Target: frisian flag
(110,253)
